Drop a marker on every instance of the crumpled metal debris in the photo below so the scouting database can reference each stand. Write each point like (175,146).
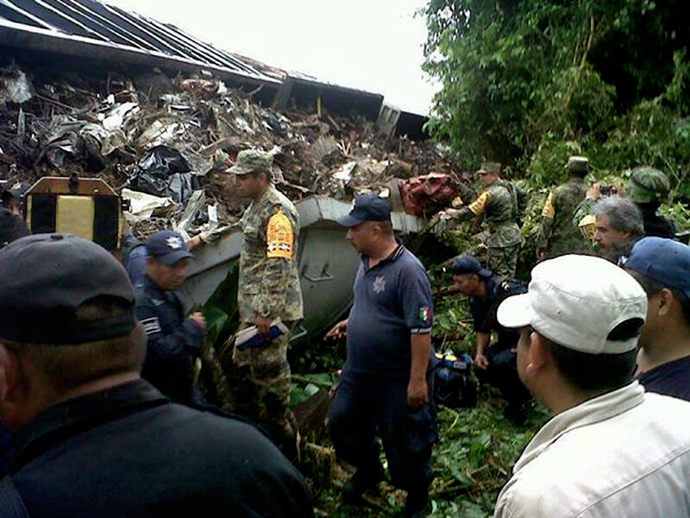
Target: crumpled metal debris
(180,137)
(141,206)
(14,86)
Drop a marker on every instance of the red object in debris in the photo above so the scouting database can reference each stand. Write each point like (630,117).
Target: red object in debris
(428,194)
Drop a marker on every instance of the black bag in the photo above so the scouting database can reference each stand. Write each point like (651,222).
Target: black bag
(455,384)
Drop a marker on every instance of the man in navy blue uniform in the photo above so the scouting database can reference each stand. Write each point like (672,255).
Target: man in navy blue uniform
(662,267)
(384,386)
(93,439)
(496,363)
(173,340)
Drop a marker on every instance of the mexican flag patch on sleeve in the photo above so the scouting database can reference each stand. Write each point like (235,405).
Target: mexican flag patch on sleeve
(424,314)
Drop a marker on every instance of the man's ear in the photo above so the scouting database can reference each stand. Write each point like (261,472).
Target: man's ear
(665,302)
(539,354)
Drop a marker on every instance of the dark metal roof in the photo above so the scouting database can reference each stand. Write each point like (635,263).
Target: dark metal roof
(89,28)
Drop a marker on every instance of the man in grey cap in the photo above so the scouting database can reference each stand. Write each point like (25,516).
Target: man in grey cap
(557,234)
(93,439)
(268,290)
(611,450)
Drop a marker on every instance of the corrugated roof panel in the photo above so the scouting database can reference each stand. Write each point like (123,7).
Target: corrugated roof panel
(87,20)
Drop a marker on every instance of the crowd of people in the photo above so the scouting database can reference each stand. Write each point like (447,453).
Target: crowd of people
(101,415)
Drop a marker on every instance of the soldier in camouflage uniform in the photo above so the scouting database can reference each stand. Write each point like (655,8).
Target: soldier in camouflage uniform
(648,188)
(268,289)
(557,234)
(498,204)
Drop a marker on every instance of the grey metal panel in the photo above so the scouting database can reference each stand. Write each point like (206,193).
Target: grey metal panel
(327,263)
(324,209)
(328,266)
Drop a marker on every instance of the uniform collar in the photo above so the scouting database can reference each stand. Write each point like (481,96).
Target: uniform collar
(390,259)
(590,412)
(153,289)
(59,422)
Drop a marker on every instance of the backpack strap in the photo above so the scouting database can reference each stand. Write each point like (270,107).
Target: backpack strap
(11,502)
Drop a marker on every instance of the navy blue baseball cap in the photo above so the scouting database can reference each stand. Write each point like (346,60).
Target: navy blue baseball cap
(368,207)
(663,260)
(464,264)
(168,247)
(46,278)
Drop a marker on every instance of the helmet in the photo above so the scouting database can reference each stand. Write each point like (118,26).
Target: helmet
(648,185)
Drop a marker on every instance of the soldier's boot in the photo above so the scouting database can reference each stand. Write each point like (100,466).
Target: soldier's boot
(365,477)
(289,439)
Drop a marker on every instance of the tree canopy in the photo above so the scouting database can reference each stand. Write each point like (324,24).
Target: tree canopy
(528,82)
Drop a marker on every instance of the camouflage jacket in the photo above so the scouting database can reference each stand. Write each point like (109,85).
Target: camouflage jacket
(498,205)
(557,234)
(583,209)
(269,281)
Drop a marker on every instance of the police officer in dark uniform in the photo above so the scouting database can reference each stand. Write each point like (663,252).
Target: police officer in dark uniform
(386,384)
(173,341)
(93,439)
(496,363)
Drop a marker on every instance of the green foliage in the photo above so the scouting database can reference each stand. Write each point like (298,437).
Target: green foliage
(306,385)
(529,82)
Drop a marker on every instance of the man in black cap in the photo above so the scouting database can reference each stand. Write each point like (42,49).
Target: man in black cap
(496,363)
(385,382)
(173,341)
(93,438)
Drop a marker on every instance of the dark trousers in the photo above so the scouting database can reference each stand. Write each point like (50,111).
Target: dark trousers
(365,406)
(502,373)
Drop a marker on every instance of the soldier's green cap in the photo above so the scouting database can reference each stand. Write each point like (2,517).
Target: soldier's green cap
(252,160)
(648,185)
(577,164)
(489,167)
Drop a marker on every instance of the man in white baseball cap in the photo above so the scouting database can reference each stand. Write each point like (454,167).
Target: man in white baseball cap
(611,450)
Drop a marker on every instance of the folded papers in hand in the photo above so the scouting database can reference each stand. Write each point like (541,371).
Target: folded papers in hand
(249,337)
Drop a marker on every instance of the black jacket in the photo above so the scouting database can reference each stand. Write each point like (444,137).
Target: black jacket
(130,452)
(173,342)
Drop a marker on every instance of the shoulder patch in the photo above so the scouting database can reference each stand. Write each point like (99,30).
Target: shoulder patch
(151,326)
(478,205)
(279,236)
(549,211)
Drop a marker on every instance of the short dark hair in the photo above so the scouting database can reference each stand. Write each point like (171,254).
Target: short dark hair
(598,372)
(385,226)
(652,287)
(257,173)
(66,367)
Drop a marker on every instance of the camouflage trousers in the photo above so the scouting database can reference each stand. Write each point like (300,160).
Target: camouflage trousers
(260,388)
(503,260)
